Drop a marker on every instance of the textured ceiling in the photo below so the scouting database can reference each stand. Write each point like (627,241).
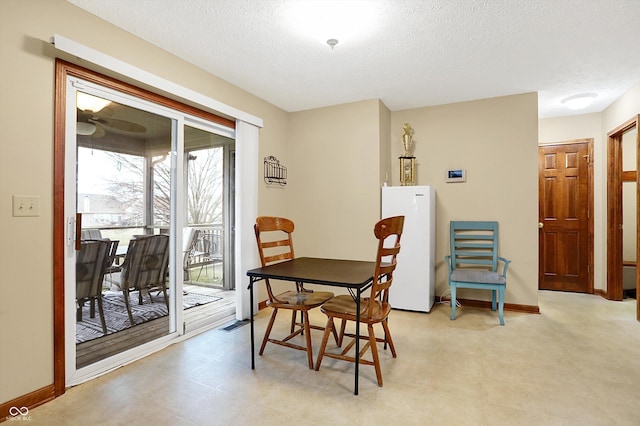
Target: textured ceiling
(415,53)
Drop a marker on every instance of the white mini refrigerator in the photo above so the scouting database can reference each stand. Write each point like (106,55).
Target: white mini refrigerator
(413,286)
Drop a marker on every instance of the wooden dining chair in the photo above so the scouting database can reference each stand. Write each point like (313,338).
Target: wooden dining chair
(275,244)
(374,309)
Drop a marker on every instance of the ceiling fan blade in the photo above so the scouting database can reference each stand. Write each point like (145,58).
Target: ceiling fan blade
(122,125)
(99,132)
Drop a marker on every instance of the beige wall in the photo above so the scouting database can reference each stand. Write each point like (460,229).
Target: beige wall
(26,164)
(495,140)
(623,109)
(385,145)
(336,157)
(595,126)
(334,185)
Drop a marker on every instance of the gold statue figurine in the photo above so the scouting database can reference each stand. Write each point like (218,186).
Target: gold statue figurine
(407,139)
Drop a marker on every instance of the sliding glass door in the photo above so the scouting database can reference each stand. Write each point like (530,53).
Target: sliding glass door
(147,203)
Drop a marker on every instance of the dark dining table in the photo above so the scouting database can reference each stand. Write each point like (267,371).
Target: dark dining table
(354,275)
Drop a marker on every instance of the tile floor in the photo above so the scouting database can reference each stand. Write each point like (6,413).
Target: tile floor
(576,363)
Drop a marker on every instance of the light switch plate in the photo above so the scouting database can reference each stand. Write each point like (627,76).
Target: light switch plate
(26,205)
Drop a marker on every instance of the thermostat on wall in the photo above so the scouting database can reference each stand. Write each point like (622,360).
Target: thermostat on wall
(456,175)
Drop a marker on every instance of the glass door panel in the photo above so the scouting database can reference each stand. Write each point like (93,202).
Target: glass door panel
(142,174)
(207,291)
(123,196)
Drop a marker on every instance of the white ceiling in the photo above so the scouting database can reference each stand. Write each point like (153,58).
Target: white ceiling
(415,53)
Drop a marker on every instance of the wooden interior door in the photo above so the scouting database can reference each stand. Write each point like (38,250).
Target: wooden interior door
(565,217)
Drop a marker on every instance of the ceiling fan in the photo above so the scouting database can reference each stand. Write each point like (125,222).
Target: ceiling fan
(94,118)
(86,126)
(90,124)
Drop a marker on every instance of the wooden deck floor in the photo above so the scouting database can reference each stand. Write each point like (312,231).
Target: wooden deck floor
(95,350)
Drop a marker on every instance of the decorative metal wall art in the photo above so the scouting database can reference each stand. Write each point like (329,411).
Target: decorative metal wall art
(274,172)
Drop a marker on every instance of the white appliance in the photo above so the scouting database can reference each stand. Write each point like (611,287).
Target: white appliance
(414,279)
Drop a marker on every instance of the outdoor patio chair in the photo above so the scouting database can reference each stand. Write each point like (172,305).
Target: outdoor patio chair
(189,238)
(144,268)
(90,267)
(211,245)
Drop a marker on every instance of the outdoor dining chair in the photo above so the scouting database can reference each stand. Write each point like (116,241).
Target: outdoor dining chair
(90,267)
(144,268)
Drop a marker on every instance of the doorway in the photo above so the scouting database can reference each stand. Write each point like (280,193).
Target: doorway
(623,215)
(565,194)
(124,164)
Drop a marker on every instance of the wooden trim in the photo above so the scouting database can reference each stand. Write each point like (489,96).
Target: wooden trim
(59,378)
(627,125)
(486,304)
(591,225)
(614,217)
(637,124)
(600,292)
(262,305)
(30,400)
(615,177)
(570,142)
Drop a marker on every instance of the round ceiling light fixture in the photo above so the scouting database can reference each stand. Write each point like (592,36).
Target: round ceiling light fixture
(331,21)
(580,101)
(85,129)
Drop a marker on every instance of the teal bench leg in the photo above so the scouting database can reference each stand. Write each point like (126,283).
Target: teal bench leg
(501,306)
(453,302)
(493,300)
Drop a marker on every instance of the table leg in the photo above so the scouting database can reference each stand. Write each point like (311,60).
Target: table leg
(355,391)
(253,350)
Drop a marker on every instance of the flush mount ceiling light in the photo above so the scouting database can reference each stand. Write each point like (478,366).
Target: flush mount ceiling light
(331,22)
(580,101)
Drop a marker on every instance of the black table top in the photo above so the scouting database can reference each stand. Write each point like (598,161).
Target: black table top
(333,272)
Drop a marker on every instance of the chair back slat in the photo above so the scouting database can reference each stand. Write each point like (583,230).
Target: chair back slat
(474,244)
(275,242)
(146,262)
(388,231)
(90,261)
